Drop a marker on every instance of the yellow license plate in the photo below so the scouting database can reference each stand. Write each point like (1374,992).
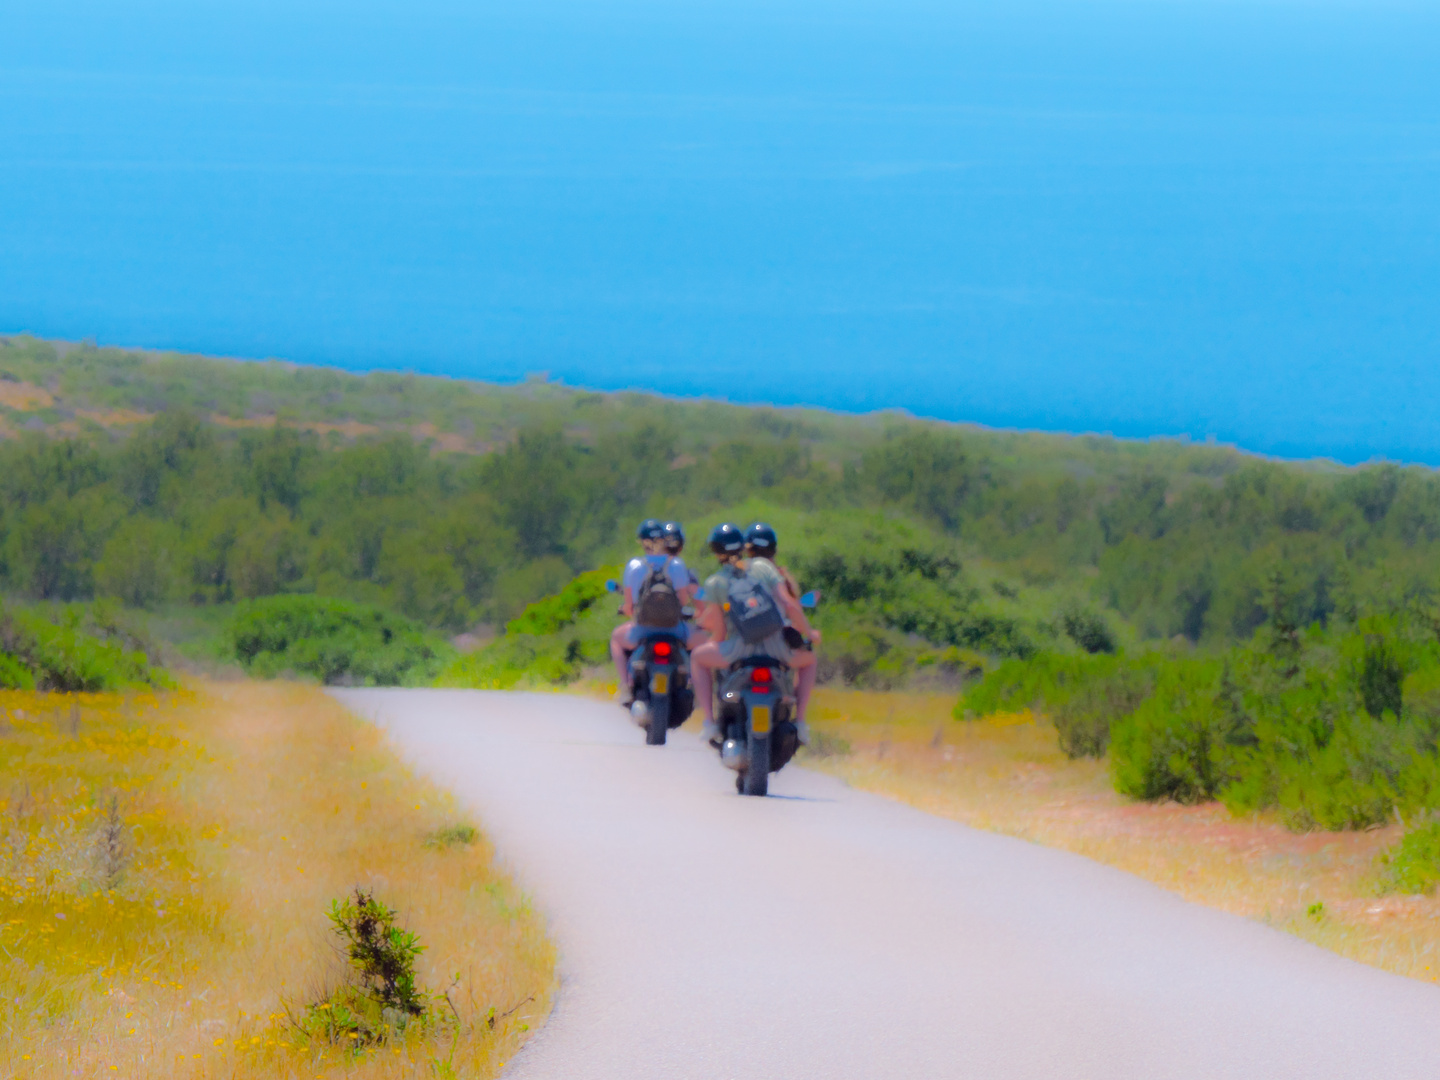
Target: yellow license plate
(760,719)
(660,684)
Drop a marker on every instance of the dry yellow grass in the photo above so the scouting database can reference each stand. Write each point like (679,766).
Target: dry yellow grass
(1007,774)
(24,396)
(168,937)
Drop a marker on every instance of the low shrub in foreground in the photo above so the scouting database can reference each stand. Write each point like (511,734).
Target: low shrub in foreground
(337,641)
(379,998)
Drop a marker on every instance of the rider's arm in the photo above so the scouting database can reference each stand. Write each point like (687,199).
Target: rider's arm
(712,619)
(796,614)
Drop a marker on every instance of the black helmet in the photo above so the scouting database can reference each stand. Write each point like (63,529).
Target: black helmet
(650,529)
(674,536)
(760,538)
(726,539)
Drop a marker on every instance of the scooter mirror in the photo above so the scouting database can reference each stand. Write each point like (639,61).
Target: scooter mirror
(611,585)
(810,599)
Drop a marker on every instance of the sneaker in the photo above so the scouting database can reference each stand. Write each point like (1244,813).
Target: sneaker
(802,732)
(625,697)
(710,733)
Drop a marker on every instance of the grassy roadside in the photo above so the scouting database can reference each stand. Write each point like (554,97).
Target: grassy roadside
(1006,773)
(166,863)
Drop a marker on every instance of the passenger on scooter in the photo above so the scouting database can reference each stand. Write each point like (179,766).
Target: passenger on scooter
(761,545)
(675,545)
(727,646)
(655,559)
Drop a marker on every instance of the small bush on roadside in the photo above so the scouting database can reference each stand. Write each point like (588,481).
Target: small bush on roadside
(380,998)
(337,641)
(453,836)
(1083,721)
(1331,728)
(1175,745)
(1412,865)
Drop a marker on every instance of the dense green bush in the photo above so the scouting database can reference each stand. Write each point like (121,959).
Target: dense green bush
(1041,682)
(74,647)
(553,613)
(336,641)
(1331,728)
(1088,630)
(1413,865)
(1174,744)
(889,575)
(1084,720)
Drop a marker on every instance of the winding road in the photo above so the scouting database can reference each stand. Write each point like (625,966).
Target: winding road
(828,933)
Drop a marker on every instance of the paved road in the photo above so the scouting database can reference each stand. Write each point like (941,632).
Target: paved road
(831,934)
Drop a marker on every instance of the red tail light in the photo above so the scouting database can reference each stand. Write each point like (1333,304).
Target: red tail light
(662,648)
(760,675)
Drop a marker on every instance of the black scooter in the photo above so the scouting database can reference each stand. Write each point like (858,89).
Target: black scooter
(662,695)
(756,716)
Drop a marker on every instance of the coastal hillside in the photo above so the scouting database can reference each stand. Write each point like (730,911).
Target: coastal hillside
(162,480)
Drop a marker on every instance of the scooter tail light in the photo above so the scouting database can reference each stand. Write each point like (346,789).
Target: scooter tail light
(760,675)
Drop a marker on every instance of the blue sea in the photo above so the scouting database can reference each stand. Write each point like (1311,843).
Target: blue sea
(1213,218)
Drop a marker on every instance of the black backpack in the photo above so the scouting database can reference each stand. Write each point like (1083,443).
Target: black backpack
(656,603)
(752,609)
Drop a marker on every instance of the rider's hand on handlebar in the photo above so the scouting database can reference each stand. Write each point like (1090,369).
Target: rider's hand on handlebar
(814,636)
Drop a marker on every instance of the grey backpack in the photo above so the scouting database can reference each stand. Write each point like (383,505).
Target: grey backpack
(752,609)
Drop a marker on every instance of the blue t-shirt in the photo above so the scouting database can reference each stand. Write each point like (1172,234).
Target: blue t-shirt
(636,571)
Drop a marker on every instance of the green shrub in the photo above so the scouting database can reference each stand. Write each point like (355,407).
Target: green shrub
(1088,630)
(73,648)
(1413,865)
(337,641)
(380,997)
(553,613)
(453,836)
(1083,721)
(1381,678)
(1176,744)
(518,659)
(1039,682)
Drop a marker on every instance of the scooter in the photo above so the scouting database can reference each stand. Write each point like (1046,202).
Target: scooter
(755,714)
(662,695)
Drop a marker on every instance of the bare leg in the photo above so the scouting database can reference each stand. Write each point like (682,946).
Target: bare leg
(618,641)
(705,659)
(804,684)
(704,689)
(802,662)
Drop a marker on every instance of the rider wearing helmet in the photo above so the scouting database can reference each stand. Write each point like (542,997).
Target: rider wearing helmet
(761,545)
(674,537)
(651,535)
(728,544)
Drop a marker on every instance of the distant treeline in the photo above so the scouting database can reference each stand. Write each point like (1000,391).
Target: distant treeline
(1003,543)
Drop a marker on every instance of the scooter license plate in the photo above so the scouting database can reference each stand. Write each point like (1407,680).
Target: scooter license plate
(760,719)
(660,684)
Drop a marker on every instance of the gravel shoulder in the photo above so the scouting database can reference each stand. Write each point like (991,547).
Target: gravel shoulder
(825,932)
